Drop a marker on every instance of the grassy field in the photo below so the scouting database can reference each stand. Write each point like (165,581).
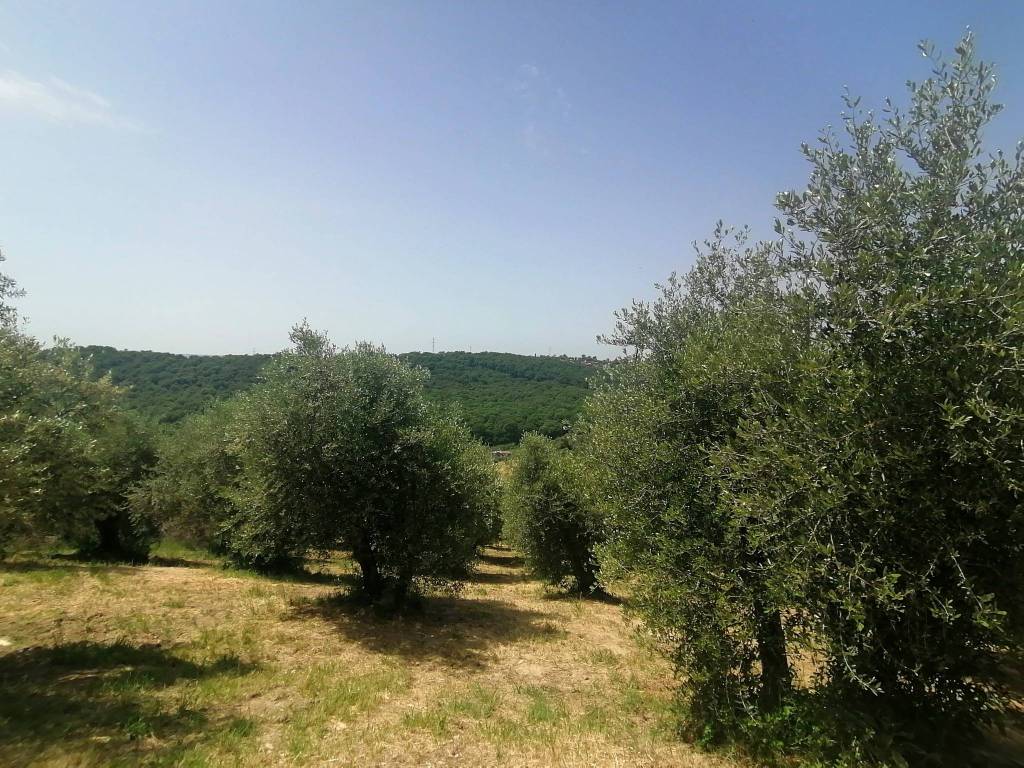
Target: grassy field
(184,663)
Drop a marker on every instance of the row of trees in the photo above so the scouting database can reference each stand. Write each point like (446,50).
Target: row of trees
(167,388)
(810,473)
(333,449)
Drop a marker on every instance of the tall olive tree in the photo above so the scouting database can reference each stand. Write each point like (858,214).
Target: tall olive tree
(817,446)
(892,485)
(715,341)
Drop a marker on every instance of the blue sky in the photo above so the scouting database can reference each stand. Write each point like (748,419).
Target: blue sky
(196,177)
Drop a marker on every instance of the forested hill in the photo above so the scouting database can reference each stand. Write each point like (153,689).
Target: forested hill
(503,395)
(500,395)
(169,387)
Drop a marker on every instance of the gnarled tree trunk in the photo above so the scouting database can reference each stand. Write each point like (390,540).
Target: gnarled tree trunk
(776,676)
(373,582)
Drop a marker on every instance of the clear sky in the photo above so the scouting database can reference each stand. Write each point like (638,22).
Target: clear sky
(198,176)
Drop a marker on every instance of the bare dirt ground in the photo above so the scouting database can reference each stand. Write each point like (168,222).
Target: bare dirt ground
(188,664)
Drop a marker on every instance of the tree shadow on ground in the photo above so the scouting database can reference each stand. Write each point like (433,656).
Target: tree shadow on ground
(180,562)
(68,564)
(62,565)
(596,596)
(101,557)
(84,560)
(453,631)
(505,559)
(487,577)
(303,576)
(97,698)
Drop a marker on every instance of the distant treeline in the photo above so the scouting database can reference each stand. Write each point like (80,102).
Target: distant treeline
(500,395)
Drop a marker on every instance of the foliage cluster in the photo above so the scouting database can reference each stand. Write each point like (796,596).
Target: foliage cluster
(814,459)
(69,452)
(502,396)
(167,387)
(716,342)
(192,490)
(548,517)
(333,449)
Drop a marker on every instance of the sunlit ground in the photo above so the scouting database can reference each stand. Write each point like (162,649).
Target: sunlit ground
(186,663)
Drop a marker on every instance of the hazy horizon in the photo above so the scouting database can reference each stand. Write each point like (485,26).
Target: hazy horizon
(196,179)
(602,358)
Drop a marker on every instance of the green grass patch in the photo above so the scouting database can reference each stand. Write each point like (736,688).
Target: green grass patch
(543,707)
(84,694)
(173,552)
(603,657)
(506,732)
(217,642)
(334,696)
(476,703)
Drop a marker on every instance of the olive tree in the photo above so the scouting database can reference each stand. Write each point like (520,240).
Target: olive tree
(192,492)
(68,452)
(548,517)
(341,450)
(892,484)
(816,448)
(716,340)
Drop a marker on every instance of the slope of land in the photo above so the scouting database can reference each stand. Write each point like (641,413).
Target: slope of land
(500,395)
(188,664)
(169,387)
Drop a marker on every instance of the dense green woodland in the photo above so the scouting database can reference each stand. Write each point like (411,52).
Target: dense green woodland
(168,387)
(500,395)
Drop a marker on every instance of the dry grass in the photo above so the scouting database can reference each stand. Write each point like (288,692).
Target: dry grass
(187,664)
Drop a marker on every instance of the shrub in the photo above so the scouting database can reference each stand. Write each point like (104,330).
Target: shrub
(192,491)
(547,515)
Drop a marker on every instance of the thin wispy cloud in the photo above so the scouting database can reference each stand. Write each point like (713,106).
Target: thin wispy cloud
(544,104)
(58,101)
